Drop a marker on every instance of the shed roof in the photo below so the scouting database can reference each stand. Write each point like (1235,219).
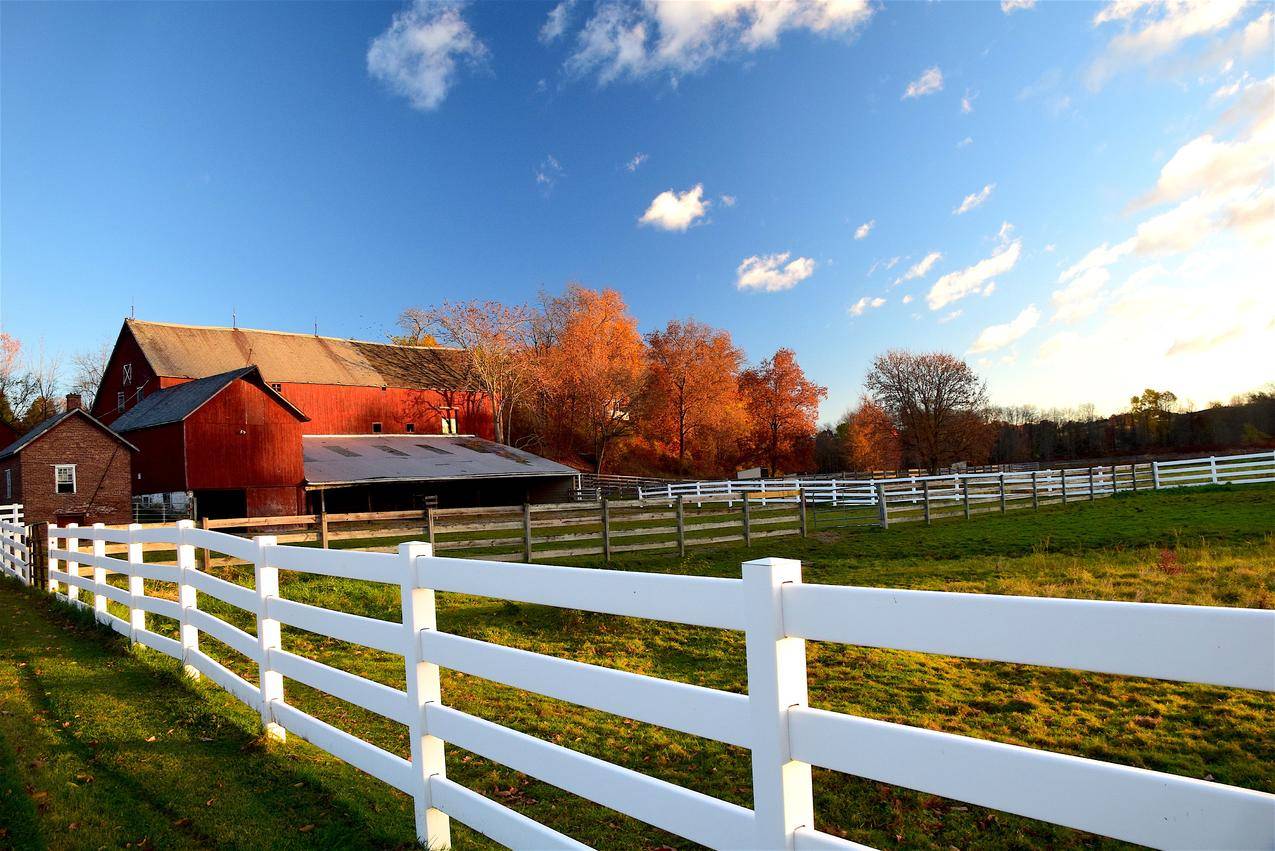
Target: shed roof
(53,422)
(174,404)
(193,351)
(357,459)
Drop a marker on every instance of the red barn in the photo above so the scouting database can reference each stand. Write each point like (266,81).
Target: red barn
(343,386)
(230,439)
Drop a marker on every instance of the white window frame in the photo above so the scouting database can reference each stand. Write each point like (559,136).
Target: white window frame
(447,421)
(57,476)
(128,373)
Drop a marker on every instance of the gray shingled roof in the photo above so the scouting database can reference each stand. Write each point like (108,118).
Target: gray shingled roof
(51,423)
(174,404)
(350,459)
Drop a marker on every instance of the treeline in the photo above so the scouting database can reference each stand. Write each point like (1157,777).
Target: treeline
(572,378)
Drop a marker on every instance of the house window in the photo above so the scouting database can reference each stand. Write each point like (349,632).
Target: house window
(64,477)
(447,421)
(8,484)
(411,428)
(128,373)
(119,401)
(278,388)
(376,428)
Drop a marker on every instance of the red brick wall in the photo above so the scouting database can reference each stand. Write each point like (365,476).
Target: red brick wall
(103,468)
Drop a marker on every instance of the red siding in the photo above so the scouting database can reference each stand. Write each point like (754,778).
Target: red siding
(160,463)
(242,438)
(105,404)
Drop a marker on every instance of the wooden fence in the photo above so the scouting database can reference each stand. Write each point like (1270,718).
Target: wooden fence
(1226,647)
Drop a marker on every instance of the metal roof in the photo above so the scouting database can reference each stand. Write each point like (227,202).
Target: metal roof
(355,459)
(192,351)
(47,425)
(174,404)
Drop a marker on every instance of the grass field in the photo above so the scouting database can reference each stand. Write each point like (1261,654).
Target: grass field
(103,746)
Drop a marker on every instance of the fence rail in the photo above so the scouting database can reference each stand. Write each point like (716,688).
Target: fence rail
(777,613)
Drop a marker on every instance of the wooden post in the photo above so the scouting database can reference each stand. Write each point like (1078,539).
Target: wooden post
(40,555)
(136,585)
(1213,469)
(681,527)
(882,508)
(323,521)
(606,530)
(1133,475)
(99,577)
(187,600)
(1091,484)
(526,532)
(1155,475)
(269,638)
(1115,487)
(1002,493)
(203,554)
(1063,475)
(801,509)
(73,567)
(1035,493)
(748,528)
(925,491)
(429,525)
(433,827)
(965,496)
(776,664)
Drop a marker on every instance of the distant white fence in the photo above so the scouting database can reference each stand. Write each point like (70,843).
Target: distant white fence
(15,553)
(1080,482)
(777,613)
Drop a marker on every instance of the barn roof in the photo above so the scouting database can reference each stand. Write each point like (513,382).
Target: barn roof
(356,459)
(174,404)
(192,351)
(53,422)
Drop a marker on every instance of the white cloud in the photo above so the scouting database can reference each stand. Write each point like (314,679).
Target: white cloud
(548,172)
(418,56)
(636,163)
(773,272)
(862,231)
(728,200)
(1081,296)
(1008,6)
(864,303)
(930,81)
(995,337)
(907,299)
(974,199)
(556,22)
(966,142)
(1153,30)
(673,211)
(921,268)
(1206,164)
(628,40)
(955,314)
(972,279)
(967,101)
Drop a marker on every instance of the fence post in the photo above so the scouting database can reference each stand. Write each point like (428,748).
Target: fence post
(186,597)
(73,567)
(1091,484)
(1035,493)
(606,530)
(99,577)
(925,487)
(429,525)
(1115,485)
(268,637)
(681,526)
(782,796)
(801,509)
(747,521)
(433,827)
(526,532)
(1213,469)
(882,508)
(965,496)
(1133,475)
(323,526)
(1002,493)
(203,553)
(1063,475)
(51,562)
(39,555)
(136,586)
(1155,475)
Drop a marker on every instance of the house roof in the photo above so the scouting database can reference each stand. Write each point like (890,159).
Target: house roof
(357,459)
(53,422)
(174,404)
(192,351)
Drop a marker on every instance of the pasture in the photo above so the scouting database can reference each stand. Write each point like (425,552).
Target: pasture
(103,745)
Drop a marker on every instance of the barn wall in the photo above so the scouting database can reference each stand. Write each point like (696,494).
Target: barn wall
(126,351)
(243,438)
(103,467)
(160,464)
(335,409)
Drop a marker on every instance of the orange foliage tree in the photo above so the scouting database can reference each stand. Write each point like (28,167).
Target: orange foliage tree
(869,440)
(693,404)
(782,407)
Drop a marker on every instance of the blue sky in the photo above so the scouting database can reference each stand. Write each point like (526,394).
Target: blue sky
(336,163)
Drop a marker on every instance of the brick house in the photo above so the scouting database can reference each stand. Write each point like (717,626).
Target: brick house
(69,469)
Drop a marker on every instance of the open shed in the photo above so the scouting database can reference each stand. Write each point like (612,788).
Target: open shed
(381,472)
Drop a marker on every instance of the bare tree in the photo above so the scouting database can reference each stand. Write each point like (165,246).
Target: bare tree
(28,385)
(88,367)
(937,402)
(495,339)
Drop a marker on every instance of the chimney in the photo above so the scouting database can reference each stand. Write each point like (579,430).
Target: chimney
(74,402)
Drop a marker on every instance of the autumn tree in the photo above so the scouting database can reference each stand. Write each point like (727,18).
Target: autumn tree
(28,385)
(495,340)
(591,368)
(869,440)
(693,400)
(87,369)
(782,407)
(937,403)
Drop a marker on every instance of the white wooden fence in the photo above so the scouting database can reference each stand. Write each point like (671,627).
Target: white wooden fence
(1082,482)
(15,554)
(778,614)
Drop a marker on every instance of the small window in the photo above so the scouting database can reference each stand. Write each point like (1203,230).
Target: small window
(64,477)
(119,401)
(376,428)
(128,373)
(8,484)
(411,428)
(447,421)
(276,387)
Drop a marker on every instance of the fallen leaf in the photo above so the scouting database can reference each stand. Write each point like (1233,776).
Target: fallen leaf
(305,828)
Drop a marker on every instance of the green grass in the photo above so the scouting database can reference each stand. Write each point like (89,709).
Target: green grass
(58,668)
